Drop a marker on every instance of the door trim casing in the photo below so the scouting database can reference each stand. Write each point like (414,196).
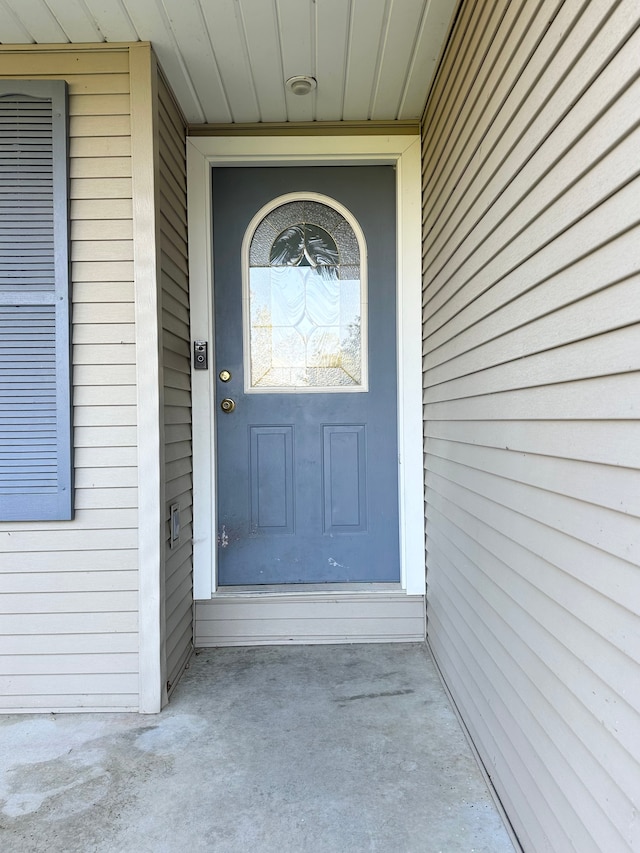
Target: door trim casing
(401,151)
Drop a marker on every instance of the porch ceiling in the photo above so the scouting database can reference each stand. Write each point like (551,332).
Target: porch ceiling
(227,60)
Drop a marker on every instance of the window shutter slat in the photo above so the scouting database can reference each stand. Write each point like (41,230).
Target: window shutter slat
(35,421)
(24,425)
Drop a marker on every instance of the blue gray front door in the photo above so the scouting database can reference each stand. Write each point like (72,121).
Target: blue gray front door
(305,374)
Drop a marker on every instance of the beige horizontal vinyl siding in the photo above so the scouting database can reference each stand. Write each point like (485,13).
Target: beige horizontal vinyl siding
(178,566)
(532,397)
(348,617)
(68,590)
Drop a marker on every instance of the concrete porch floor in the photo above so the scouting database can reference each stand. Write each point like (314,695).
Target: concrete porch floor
(286,749)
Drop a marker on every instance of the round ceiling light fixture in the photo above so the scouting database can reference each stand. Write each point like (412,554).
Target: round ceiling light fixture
(301,85)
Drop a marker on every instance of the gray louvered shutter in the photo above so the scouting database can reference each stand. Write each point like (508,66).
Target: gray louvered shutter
(35,408)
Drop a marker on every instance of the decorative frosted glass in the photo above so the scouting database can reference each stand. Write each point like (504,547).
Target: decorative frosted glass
(286,215)
(305,300)
(261,244)
(348,243)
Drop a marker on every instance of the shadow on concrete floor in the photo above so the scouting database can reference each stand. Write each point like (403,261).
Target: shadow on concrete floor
(288,749)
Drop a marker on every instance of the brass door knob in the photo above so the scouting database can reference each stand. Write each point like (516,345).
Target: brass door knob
(227,405)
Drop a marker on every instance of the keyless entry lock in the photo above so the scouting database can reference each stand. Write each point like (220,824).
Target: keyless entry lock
(200,355)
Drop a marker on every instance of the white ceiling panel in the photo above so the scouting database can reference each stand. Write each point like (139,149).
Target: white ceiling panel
(77,25)
(11,30)
(260,25)
(35,16)
(367,23)
(332,38)
(227,60)
(202,82)
(193,73)
(399,42)
(224,23)
(296,25)
(110,18)
(424,60)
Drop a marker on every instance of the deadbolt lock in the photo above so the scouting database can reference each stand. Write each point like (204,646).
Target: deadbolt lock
(227,405)
(224,376)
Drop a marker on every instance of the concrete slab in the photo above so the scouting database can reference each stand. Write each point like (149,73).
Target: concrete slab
(271,750)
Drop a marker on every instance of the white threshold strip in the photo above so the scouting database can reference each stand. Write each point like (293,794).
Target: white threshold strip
(309,614)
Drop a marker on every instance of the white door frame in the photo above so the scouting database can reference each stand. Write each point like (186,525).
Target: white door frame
(401,151)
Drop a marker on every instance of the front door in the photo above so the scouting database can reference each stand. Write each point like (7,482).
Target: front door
(305,363)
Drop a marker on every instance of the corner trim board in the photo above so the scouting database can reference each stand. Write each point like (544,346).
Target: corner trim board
(144,159)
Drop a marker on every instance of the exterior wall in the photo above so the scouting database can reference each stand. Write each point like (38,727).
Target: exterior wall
(532,352)
(178,565)
(69,608)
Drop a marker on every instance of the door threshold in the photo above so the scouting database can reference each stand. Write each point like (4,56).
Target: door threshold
(308,614)
(309,589)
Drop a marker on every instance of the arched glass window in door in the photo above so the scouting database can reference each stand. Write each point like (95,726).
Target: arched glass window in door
(305,298)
